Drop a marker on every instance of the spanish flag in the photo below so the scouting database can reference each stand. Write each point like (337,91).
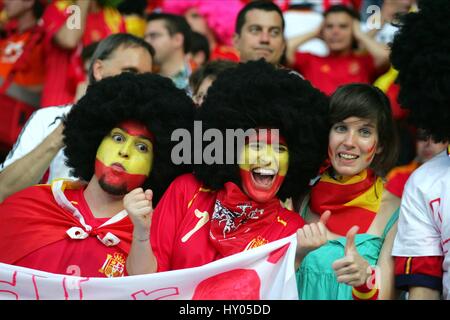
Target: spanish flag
(352,200)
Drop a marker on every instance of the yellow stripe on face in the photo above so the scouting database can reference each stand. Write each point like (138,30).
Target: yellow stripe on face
(262,155)
(133,152)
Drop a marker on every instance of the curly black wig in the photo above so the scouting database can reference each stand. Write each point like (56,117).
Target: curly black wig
(421,54)
(257,95)
(148,98)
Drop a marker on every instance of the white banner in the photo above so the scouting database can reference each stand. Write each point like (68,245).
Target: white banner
(266,272)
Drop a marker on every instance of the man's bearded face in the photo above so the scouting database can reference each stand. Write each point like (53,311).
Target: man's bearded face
(124,158)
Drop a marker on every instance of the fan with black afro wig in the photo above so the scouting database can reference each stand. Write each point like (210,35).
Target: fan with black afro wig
(421,54)
(147,98)
(257,95)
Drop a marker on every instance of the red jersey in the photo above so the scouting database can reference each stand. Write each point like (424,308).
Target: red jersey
(31,73)
(34,233)
(60,79)
(328,73)
(181,226)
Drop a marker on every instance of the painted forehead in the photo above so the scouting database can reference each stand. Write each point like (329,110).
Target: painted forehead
(135,128)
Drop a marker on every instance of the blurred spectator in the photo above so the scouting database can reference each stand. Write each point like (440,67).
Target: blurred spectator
(213,19)
(301,19)
(63,43)
(203,78)
(426,148)
(38,153)
(199,52)
(134,15)
(345,64)
(170,36)
(21,67)
(259,32)
(321,6)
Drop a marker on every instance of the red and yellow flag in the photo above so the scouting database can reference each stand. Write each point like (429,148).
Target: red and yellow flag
(352,200)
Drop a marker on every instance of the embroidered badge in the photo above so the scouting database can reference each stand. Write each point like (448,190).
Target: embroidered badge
(114,265)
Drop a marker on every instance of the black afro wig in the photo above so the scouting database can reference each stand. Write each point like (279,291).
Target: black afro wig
(421,54)
(148,98)
(257,95)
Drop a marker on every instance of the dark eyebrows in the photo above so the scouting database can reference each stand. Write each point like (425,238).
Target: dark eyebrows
(255,26)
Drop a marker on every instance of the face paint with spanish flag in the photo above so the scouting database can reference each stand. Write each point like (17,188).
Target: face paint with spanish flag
(124,158)
(264,162)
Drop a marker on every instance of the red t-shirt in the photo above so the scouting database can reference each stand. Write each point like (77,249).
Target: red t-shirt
(330,72)
(33,235)
(180,232)
(31,72)
(60,80)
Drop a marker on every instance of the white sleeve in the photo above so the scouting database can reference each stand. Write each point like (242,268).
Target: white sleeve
(418,225)
(37,128)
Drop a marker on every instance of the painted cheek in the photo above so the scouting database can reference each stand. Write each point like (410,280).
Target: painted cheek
(371,152)
(104,151)
(283,162)
(140,163)
(245,160)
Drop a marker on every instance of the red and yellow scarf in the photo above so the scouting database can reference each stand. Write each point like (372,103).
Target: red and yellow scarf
(352,200)
(237,220)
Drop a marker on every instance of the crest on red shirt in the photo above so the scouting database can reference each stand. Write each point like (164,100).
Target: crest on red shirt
(114,265)
(353,68)
(325,68)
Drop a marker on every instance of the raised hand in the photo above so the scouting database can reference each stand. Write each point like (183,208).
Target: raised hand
(352,269)
(139,206)
(312,235)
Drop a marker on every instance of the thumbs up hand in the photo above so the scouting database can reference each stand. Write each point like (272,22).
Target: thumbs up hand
(352,269)
(313,235)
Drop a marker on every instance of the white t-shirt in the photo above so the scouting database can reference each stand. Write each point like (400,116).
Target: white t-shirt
(424,222)
(41,123)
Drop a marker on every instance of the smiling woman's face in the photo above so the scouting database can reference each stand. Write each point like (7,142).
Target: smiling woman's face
(353,144)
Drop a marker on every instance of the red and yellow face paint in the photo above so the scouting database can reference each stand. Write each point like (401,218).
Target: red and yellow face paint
(125,157)
(371,153)
(264,162)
